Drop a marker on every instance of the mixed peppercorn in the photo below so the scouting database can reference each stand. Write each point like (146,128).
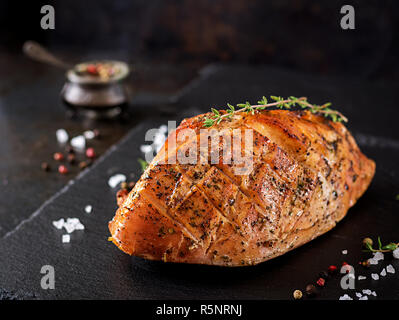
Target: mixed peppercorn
(71,156)
(324,276)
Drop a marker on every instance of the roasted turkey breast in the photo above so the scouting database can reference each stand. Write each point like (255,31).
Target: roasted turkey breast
(303,175)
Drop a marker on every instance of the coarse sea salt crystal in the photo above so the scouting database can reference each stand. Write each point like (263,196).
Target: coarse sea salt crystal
(366,291)
(89,134)
(358,294)
(378,256)
(88,208)
(372,261)
(66,238)
(361,277)
(69,227)
(62,136)
(390,268)
(78,142)
(344,251)
(59,223)
(79,226)
(395,253)
(375,276)
(364,298)
(374,293)
(345,297)
(383,273)
(116,179)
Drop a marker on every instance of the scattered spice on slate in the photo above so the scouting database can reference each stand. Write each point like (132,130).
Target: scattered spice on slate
(62,169)
(321,282)
(124,185)
(90,153)
(96,133)
(83,165)
(311,290)
(71,158)
(297,294)
(45,166)
(367,242)
(69,149)
(324,275)
(58,156)
(365,263)
(332,269)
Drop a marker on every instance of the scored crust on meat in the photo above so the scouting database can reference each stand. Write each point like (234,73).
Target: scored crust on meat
(307,171)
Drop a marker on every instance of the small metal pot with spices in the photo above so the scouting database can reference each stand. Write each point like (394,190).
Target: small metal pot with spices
(96,87)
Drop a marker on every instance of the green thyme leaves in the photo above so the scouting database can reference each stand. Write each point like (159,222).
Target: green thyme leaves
(278,102)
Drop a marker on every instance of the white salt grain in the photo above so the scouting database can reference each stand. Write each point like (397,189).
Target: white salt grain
(344,251)
(375,276)
(390,268)
(88,209)
(358,294)
(116,180)
(383,272)
(59,224)
(345,297)
(78,142)
(374,293)
(378,256)
(66,238)
(364,298)
(366,291)
(89,134)
(79,226)
(361,277)
(395,253)
(62,136)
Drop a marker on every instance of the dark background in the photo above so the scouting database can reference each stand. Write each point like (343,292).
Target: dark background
(302,35)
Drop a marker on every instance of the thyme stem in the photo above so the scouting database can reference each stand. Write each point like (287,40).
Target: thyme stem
(279,102)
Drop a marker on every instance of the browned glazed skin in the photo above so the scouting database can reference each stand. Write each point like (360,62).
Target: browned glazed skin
(307,173)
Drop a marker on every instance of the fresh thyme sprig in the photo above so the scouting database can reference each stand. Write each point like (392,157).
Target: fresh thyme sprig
(368,244)
(278,102)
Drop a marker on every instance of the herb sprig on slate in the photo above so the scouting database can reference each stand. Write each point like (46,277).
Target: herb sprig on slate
(277,102)
(368,244)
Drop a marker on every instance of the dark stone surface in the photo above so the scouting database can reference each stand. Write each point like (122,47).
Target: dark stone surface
(91,267)
(31,111)
(304,35)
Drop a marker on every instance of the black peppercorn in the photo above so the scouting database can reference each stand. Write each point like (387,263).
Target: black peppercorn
(69,149)
(324,275)
(71,158)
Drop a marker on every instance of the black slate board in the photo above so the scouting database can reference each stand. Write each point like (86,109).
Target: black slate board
(91,267)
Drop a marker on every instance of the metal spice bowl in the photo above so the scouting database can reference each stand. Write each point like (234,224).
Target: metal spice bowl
(93,94)
(96,95)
